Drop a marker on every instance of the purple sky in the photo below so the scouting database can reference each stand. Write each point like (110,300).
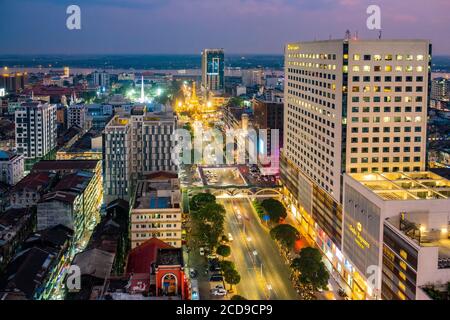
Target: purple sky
(187,26)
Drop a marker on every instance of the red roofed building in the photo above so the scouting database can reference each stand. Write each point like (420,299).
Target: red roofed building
(156,268)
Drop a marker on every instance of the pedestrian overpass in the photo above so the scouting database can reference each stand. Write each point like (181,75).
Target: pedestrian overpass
(238,192)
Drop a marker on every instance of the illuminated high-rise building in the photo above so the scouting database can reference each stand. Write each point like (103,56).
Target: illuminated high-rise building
(213,69)
(351,106)
(35,129)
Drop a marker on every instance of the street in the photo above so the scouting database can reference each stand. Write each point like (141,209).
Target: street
(264,276)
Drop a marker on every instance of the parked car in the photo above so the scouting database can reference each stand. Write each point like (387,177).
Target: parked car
(216,278)
(230,237)
(202,251)
(193,273)
(219,292)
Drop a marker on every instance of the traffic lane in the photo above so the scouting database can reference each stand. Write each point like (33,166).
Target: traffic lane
(249,286)
(275,271)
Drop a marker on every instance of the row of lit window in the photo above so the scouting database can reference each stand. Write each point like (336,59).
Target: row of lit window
(386,89)
(322,56)
(388,99)
(386,119)
(312,65)
(368,68)
(387,57)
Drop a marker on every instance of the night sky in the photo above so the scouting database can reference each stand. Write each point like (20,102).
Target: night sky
(187,26)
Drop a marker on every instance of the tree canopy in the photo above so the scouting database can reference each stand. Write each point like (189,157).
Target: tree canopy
(210,219)
(200,200)
(223,251)
(311,268)
(286,234)
(232,277)
(274,209)
(227,265)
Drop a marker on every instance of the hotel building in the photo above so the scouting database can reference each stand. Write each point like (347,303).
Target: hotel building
(396,232)
(351,106)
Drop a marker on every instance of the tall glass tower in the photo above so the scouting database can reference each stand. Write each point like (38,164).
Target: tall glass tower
(213,69)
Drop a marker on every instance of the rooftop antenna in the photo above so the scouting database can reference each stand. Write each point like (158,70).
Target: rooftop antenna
(380,34)
(348,35)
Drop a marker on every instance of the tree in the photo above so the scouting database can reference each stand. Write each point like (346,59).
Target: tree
(286,234)
(210,220)
(200,200)
(274,209)
(232,277)
(237,297)
(236,102)
(311,269)
(227,265)
(223,251)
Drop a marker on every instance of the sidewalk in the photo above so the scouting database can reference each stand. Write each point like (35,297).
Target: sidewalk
(336,281)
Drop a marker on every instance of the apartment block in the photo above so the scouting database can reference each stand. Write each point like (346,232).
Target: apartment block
(35,129)
(156,212)
(11,167)
(76,116)
(134,146)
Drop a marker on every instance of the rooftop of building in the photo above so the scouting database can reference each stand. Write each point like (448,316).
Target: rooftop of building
(358,40)
(8,156)
(158,193)
(75,182)
(69,134)
(424,237)
(54,237)
(28,270)
(11,222)
(141,258)
(106,235)
(35,181)
(84,143)
(169,257)
(65,165)
(95,262)
(405,185)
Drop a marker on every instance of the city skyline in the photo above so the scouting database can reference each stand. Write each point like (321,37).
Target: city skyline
(162,27)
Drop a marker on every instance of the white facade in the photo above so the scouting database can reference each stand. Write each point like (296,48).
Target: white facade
(35,129)
(356,106)
(156,212)
(11,167)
